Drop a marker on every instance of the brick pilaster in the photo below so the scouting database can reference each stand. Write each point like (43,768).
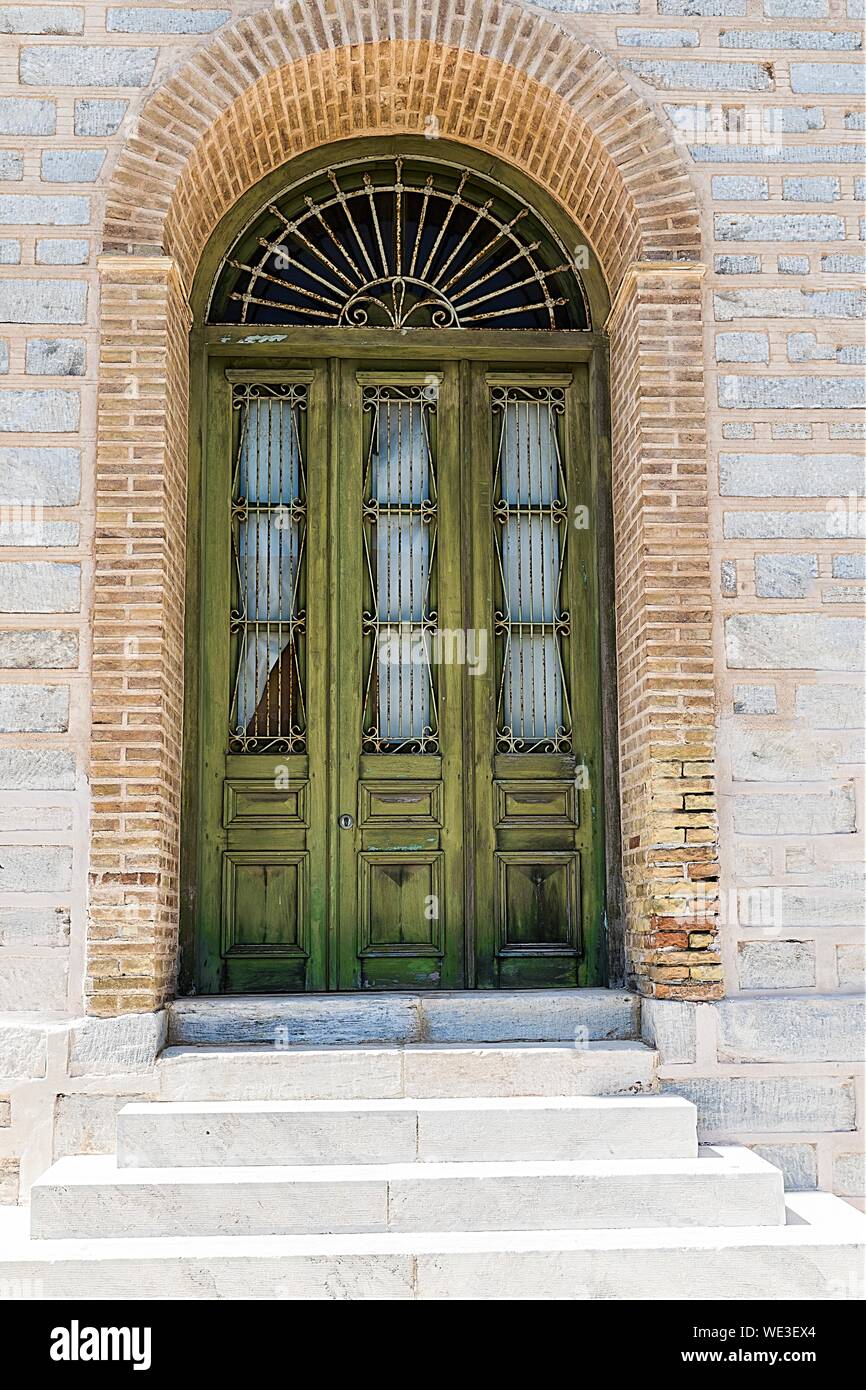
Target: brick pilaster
(137,634)
(664,632)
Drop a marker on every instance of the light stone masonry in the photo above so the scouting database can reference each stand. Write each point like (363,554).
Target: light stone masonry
(71,166)
(77,66)
(34,709)
(61,251)
(776,964)
(98,116)
(50,411)
(41,19)
(43,301)
(35,927)
(56,357)
(42,649)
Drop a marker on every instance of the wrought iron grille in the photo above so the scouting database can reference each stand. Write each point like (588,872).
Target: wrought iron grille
(531,528)
(400,515)
(268,622)
(399,243)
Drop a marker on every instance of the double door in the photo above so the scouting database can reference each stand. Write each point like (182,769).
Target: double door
(399,774)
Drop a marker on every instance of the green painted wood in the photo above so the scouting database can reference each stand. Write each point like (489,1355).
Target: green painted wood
(374,921)
(262,843)
(481,749)
(260,342)
(215,604)
(319,732)
(188,975)
(463,868)
(450,679)
(513,868)
(583,596)
(347,665)
(611,949)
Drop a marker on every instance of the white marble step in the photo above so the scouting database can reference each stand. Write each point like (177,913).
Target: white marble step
(182,1134)
(334,1020)
(434,1070)
(93,1197)
(818,1254)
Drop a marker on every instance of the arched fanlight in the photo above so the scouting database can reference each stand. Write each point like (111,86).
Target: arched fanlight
(399,243)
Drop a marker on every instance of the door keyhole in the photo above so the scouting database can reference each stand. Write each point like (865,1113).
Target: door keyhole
(345,822)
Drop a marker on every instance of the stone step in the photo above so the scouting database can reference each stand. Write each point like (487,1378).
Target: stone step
(464,1016)
(818,1255)
(181,1134)
(433,1071)
(92,1197)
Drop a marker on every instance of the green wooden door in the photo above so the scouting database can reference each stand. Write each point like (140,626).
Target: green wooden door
(535,715)
(399,764)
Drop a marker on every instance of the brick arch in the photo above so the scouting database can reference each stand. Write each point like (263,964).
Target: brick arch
(513,83)
(492,75)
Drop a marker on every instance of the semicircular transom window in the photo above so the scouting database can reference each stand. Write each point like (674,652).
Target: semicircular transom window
(399,243)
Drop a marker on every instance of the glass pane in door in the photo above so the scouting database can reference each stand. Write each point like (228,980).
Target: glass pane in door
(530,519)
(268,532)
(399,522)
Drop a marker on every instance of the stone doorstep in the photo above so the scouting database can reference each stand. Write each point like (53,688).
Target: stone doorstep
(818,1254)
(91,1196)
(407,1017)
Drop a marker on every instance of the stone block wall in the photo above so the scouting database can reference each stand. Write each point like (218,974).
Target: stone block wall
(778,1072)
(764,99)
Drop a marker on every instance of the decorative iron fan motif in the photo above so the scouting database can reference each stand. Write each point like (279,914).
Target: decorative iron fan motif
(398,243)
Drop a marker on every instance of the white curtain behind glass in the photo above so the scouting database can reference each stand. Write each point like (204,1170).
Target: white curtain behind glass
(268,544)
(530,558)
(400,483)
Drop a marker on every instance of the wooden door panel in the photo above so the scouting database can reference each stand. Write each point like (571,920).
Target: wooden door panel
(401,902)
(252,804)
(391,815)
(397,709)
(537,764)
(262,923)
(266,926)
(522,805)
(394,805)
(265,901)
(538,901)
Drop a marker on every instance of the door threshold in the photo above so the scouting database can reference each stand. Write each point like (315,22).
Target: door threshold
(527,1015)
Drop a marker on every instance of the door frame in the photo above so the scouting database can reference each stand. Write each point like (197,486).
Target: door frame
(288,349)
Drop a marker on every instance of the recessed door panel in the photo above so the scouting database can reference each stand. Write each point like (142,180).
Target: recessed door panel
(521,804)
(401,903)
(538,901)
(255,804)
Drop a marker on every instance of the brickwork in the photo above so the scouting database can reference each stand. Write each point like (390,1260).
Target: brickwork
(510,83)
(137,635)
(664,633)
